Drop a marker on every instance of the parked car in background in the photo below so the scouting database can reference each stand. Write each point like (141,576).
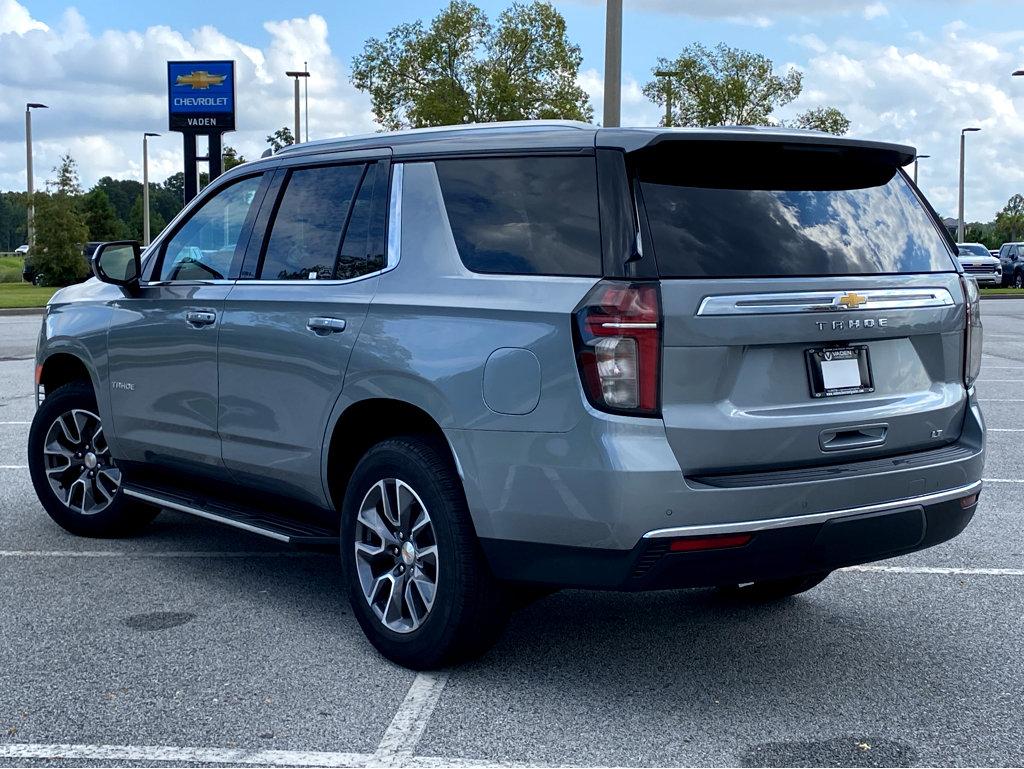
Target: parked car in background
(21,250)
(994,252)
(485,362)
(31,274)
(1011,259)
(980,264)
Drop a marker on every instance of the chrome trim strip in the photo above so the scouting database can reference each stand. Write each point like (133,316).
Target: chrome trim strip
(824,301)
(629,325)
(204,514)
(812,518)
(394,246)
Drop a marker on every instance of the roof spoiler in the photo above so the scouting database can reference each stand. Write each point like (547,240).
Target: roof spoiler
(637,139)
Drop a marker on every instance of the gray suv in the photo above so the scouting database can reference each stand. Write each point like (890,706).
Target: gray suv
(488,362)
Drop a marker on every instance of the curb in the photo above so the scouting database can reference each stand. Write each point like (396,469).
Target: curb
(22,311)
(1003,296)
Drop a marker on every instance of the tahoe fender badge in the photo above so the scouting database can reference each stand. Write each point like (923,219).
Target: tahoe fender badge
(122,385)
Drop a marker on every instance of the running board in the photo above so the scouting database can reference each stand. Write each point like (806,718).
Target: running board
(282,529)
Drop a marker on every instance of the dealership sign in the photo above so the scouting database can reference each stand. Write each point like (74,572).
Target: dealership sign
(201,96)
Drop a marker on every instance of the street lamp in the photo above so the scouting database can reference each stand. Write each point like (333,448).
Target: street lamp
(297,74)
(960,220)
(668,74)
(612,64)
(28,171)
(1018,73)
(916,158)
(145,186)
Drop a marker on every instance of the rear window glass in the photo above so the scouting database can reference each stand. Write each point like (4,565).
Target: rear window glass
(524,215)
(775,210)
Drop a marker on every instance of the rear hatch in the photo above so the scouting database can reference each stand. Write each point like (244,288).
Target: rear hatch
(813,313)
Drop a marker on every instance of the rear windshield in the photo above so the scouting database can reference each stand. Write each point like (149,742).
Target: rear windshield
(772,210)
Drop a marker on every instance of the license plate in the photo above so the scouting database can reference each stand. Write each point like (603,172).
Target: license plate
(839,371)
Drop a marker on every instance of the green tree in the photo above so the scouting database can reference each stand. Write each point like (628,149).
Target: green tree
(282,137)
(100,216)
(727,86)
(827,119)
(464,69)
(156,221)
(1010,221)
(65,180)
(231,158)
(60,235)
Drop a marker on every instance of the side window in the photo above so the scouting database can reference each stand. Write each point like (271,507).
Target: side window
(533,215)
(305,235)
(363,249)
(204,247)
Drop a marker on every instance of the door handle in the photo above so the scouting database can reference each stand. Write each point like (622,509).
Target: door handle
(198,318)
(325,326)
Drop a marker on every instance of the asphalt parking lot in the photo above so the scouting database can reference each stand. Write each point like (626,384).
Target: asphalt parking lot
(197,644)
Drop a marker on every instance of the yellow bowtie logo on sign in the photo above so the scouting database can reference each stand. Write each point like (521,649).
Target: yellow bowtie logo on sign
(200,80)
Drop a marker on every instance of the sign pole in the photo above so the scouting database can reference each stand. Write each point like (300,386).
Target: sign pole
(191,178)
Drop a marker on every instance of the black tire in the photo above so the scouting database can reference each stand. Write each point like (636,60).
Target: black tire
(1018,279)
(774,589)
(121,516)
(469,610)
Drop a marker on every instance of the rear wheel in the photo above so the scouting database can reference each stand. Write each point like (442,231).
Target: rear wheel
(75,478)
(774,589)
(1018,279)
(417,579)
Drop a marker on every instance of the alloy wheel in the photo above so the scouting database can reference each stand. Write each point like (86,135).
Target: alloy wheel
(396,555)
(77,462)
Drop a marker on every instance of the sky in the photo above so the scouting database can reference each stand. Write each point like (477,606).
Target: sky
(909,71)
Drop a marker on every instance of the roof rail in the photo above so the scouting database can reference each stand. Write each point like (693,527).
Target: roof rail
(468,127)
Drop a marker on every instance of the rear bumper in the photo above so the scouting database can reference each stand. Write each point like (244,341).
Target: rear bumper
(776,550)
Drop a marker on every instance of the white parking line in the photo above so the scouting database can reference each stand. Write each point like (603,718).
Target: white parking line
(1005,429)
(147,755)
(1001,400)
(1003,480)
(937,570)
(15,423)
(406,728)
(13,467)
(986,381)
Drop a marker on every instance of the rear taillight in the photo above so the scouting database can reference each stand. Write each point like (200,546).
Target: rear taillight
(972,334)
(618,346)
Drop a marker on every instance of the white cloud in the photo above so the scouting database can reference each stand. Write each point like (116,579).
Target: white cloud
(636,109)
(875,11)
(104,89)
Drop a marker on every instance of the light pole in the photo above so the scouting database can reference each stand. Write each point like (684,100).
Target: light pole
(668,74)
(916,158)
(613,64)
(305,96)
(960,219)
(145,186)
(298,122)
(28,172)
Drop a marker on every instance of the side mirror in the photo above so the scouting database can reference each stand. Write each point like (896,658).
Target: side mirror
(118,262)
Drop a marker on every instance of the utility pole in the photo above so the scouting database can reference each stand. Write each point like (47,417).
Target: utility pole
(960,219)
(668,74)
(28,172)
(305,93)
(298,114)
(145,187)
(613,64)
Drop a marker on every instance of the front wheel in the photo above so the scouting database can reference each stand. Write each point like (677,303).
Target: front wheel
(1018,279)
(774,589)
(416,577)
(74,476)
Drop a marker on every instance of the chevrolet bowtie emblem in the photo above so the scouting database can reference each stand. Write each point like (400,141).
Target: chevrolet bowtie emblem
(200,79)
(851,300)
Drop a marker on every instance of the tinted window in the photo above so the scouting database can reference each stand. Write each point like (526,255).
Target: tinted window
(361,251)
(204,247)
(524,215)
(973,250)
(767,211)
(306,232)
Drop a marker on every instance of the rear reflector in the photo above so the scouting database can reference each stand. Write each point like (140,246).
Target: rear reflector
(969,501)
(711,542)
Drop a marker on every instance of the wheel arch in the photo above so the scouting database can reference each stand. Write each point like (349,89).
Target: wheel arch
(62,367)
(367,422)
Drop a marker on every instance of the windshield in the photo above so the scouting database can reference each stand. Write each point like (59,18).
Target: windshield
(973,249)
(772,210)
